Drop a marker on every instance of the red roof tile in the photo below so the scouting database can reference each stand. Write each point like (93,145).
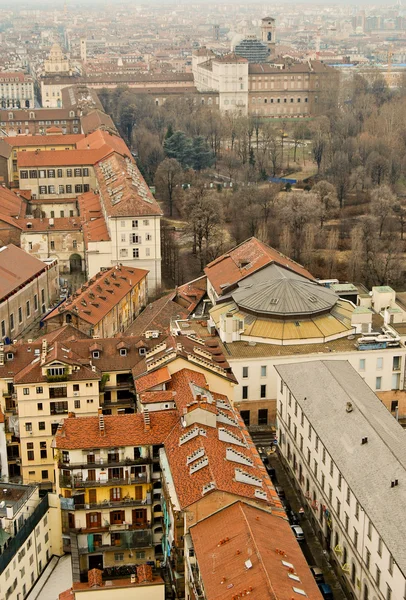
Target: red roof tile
(245,259)
(120,430)
(249,545)
(99,139)
(93,222)
(153,379)
(100,294)
(44,140)
(62,158)
(12,278)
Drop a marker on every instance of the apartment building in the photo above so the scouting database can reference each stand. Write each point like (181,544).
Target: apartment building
(60,238)
(346,455)
(37,121)
(109,480)
(25,292)
(30,536)
(268,310)
(36,144)
(56,382)
(16,90)
(105,305)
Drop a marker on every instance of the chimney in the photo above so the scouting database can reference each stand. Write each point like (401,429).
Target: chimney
(71,415)
(94,577)
(144,573)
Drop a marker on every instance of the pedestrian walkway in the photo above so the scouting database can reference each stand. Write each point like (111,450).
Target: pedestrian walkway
(312,549)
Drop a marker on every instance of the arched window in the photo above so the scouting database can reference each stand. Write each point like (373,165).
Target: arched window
(366,592)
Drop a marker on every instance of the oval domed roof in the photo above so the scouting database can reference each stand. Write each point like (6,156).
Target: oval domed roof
(284,294)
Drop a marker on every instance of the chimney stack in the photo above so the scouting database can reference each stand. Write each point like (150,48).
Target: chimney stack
(95,578)
(144,573)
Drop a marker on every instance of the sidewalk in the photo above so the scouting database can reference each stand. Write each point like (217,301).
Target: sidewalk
(312,549)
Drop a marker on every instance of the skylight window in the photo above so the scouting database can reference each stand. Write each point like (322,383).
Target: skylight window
(299,591)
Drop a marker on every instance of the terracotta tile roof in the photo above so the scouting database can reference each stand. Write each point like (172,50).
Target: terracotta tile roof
(62,158)
(96,119)
(95,299)
(245,259)
(100,139)
(219,456)
(153,379)
(44,140)
(157,397)
(120,430)
(230,58)
(12,278)
(250,545)
(93,222)
(58,224)
(190,294)
(157,316)
(123,189)
(10,221)
(11,204)
(191,349)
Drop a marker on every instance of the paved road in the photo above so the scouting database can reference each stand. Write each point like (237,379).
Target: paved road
(311,548)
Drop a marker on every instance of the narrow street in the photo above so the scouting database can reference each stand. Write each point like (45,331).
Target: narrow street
(311,547)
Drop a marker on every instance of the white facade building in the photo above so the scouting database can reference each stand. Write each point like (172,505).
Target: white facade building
(347,455)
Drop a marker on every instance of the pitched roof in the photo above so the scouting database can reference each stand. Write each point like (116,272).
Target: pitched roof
(213,451)
(54,224)
(367,468)
(95,299)
(158,315)
(44,140)
(12,278)
(250,544)
(244,259)
(62,158)
(120,430)
(11,204)
(153,379)
(96,119)
(122,188)
(93,222)
(99,139)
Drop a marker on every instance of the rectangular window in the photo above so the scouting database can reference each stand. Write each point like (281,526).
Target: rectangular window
(28,308)
(68,172)
(380,546)
(51,173)
(118,556)
(379,363)
(397,361)
(68,189)
(263,416)
(245,416)
(77,403)
(136,253)
(346,521)
(35,302)
(338,507)
(33,174)
(245,372)
(245,392)
(42,189)
(78,172)
(41,425)
(26,391)
(362,364)
(30,454)
(134,224)
(52,245)
(28,427)
(44,475)
(85,172)
(51,189)
(61,189)
(378,383)
(40,406)
(355,538)
(78,189)
(3,329)
(390,568)
(263,391)
(23,174)
(59,172)
(367,558)
(378,576)
(348,499)
(20,314)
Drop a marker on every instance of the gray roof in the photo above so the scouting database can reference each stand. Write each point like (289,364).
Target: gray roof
(276,291)
(322,389)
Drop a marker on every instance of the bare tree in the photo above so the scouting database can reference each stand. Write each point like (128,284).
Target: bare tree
(327,196)
(168,177)
(382,203)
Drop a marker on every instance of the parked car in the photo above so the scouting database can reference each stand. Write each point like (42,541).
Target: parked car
(293,517)
(271,472)
(298,532)
(317,574)
(326,591)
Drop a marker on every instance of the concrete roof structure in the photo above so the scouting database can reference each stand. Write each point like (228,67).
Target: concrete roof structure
(322,389)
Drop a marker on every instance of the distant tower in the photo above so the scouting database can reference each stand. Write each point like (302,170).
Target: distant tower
(268,34)
(216,32)
(83,50)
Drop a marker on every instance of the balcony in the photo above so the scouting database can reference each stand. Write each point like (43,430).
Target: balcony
(105,463)
(125,502)
(129,539)
(68,482)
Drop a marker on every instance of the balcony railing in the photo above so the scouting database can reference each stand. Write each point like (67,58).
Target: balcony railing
(105,463)
(68,482)
(108,504)
(129,539)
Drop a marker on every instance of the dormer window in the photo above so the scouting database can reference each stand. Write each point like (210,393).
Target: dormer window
(10,356)
(142,351)
(56,371)
(96,354)
(123,351)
